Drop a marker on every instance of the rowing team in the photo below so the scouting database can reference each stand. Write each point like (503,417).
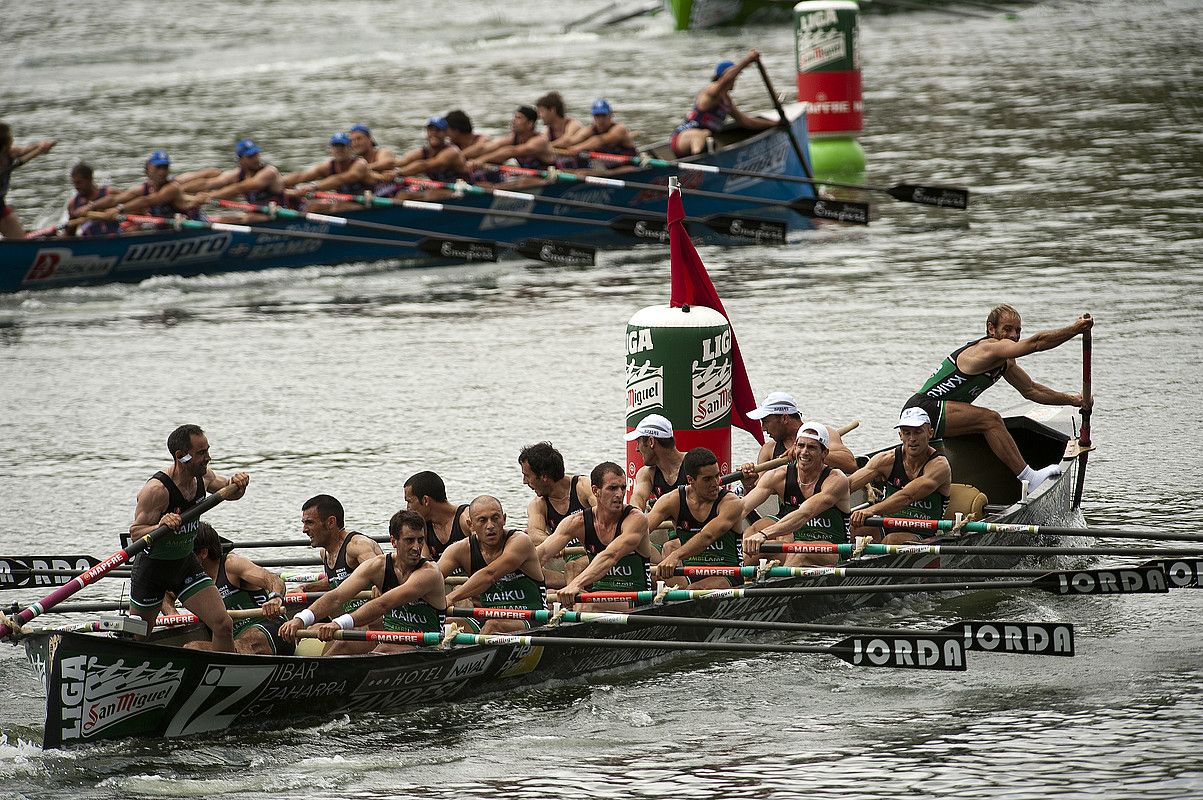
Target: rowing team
(709,526)
(452,151)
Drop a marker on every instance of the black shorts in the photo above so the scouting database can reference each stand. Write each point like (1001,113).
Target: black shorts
(152,578)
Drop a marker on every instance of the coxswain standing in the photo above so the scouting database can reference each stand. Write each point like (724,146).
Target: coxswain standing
(529,148)
(616,540)
(706,517)
(818,495)
(446,524)
(712,107)
(438,159)
(169,564)
(11,156)
(159,195)
(502,567)
(661,471)
(557,496)
(948,395)
(253,179)
(344,172)
(411,591)
(917,479)
(86,192)
(605,136)
(341,551)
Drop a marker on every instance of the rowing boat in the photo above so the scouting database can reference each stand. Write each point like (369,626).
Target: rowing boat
(101,687)
(136,256)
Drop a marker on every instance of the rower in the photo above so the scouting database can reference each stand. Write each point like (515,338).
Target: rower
(243,584)
(706,517)
(711,108)
(815,502)
(947,396)
(559,127)
(341,551)
(159,195)
(253,179)
(657,446)
(86,191)
(529,148)
(169,564)
(459,131)
(411,593)
(438,159)
(557,496)
(344,172)
(615,537)
(781,420)
(916,479)
(446,524)
(380,159)
(502,567)
(10,225)
(605,136)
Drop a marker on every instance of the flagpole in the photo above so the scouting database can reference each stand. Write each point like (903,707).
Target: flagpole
(674,184)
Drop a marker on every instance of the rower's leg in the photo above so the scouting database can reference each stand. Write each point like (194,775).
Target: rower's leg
(901,537)
(811,559)
(10,226)
(968,418)
(691,142)
(503,626)
(209,608)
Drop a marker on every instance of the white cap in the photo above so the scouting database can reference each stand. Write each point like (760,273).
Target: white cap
(775,403)
(913,417)
(813,430)
(652,425)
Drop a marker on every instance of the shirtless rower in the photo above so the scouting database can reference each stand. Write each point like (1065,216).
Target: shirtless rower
(10,154)
(344,172)
(815,502)
(947,396)
(524,144)
(605,136)
(615,537)
(159,195)
(253,179)
(86,191)
(341,551)
(380,159)
(502,567)
(661,471)
(243,584)
(446,524)
(557,496)
(411,598)
(438,158)
(558,127)
(711,108)
(781,420)
(706,517)
(170,565)
(917,479)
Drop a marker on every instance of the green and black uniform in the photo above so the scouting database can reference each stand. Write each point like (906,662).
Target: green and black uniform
(236,597)
(931,507)
(436,547)
(515,590)
(661,486)
(830,526)
(554,518)
(417,616)
(339,571)
(948,382)
(632,572)
(169,565)
(725,551)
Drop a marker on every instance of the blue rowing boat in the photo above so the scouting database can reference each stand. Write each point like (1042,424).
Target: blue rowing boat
(136,256)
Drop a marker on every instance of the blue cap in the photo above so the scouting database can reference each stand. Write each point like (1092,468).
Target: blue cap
(340,138)
(159,158)
(601,106)
(722,67)
(245,147)
(437,122)
(359,127)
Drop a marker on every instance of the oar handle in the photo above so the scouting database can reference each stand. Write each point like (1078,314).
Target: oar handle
(765,466)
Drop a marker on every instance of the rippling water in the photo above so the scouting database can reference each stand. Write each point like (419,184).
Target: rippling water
(1076,126)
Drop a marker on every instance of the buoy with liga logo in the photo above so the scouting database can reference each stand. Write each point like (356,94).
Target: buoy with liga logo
(679,366)
(826,33)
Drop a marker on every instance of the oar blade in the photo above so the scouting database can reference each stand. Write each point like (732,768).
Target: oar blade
(941,196)
(752,229)
(902,652)
(836,210)
(1180,573)
(560,253)
(1121,580)
(1018,638)
(459,249)
(30,572)
(654,230)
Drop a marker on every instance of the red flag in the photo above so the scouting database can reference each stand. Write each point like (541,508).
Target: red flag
(691,286)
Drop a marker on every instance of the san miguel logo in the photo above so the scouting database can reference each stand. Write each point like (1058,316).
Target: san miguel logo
(645,382)
(712,381)
(96,696)
(818,42)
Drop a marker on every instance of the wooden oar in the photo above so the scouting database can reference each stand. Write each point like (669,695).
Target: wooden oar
(433,245)
(1084,444)
(881,651)
(630,222)
(120,557)
(765,466)
(1026,638)
(941,196)
(904,524)
(837,210)
(783,121)
(549,251)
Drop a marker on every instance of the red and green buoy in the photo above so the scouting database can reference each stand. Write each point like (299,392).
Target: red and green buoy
(826,34)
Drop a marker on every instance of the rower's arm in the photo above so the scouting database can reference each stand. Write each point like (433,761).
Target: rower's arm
(936,473)
(151,505)
(313,173)
(834,492)
(876,468)
(517,549)
(569,528)
(1037,392)
(168,193)
(536,520)
(215,482)
(357,173)
(633,533)
(362,549)
(220,189)
(643,488)
(838,455)
(416,587)
(665,510)
(752,123)
(365,576)
(769,483)
(730,511)
(252,576)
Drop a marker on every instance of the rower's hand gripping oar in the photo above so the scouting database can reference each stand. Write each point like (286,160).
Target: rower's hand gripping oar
(781,462)
(228,492)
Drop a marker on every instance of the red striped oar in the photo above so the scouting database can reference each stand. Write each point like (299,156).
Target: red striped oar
(290,599)
(120,557)
(837,210)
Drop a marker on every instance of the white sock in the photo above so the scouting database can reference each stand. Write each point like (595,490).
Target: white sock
(1035,477)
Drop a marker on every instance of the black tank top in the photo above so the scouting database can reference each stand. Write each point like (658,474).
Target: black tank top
(339,571)
(660,484)
(227,589)
(177,544)
(554,518)
(436,547)
(632,572)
